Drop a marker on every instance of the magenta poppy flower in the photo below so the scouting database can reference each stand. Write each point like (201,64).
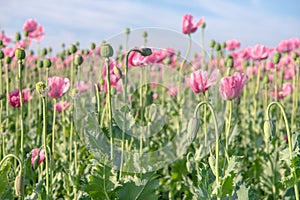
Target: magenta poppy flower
(188,25)
(82,86)
(286,90)
(62,105)
(38,33)
(259,52)
(232,45)
(30,25)
(200,82)
(58,86)
(35,155)
(14,97)
(232,86)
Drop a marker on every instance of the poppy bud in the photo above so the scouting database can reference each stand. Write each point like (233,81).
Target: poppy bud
(276,57)
(19,185)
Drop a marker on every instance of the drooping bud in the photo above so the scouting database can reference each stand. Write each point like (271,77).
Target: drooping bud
(19,186)
(73,48)
(106,50)
(276,57)
(47,63)
(192,128)
(1,54)
(41,88)
(78,60)
(117,72)
(20,54)
(146,51)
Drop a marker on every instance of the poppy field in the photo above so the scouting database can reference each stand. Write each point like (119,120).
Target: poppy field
(146,123)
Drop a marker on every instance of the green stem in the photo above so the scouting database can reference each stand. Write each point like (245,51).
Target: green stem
(53,140)
(186,55)
(98,102)
(20,64)
(203,48)
(293,172)
(228,124)
(7,103)
(275,82)
(216,135)
(109,107)
(45,146)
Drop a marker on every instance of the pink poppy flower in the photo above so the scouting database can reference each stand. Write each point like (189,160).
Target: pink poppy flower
(172,90)
(37,156)
(286,90)
(58,86)
(82,87)
(38,33)
(232,86)
(5,40)
(154,96)
(259,52)
(188,25)
(30,25)
(62,105)
(200,82)
(232,45)
(14,97)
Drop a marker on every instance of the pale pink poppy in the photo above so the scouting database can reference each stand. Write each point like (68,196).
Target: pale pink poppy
(14,97)
(30,25)
(58,86)
(232,86)
(82,86)
(188,25)
(232,45)
(200,82)
(38,33)
(259,52)
(62,105)
(286,90)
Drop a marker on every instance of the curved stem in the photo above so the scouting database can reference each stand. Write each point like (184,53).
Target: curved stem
(216,135)
(293,173)
(13,156)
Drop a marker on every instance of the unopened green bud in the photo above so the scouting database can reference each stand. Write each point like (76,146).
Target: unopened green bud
(78,60)
(217,47)
(212,43)
(276,57)
(127,31)
(117,72)
(203,25)
(20,54)
(73,48)
(93,46)
(106,50)
(18,36)
(192,129)
(47,63)
(19,186)
(145,34)
(8,60)
(1,54)
(146,51)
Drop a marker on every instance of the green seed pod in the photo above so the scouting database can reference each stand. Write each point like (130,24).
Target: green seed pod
(20,54)
(49,49)
(145,34)
(217,47)
(18,36)
(41,88)
(39,64)
(63,45)
(47,63)
(117,72)
(93,46)
(223,45)
(8,60)
(44,52)
(25,33)
(1,54)
(229,61)
(78,60)
(106,50)
(73,48)
(276,57)
(1,43)
(192,129)
(295,56)
(212,43)
(127,31)
(146,52)
(19,186)
(77,44)
(203,25)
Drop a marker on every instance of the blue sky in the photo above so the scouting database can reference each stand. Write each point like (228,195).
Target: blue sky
(67,21)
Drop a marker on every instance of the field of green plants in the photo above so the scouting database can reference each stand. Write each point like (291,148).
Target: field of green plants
(148,123)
